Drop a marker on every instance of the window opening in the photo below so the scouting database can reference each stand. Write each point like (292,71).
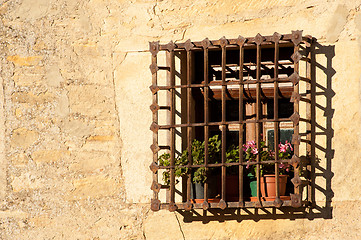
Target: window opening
(225,97)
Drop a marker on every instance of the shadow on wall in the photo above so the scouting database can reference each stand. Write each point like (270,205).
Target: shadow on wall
(320,151)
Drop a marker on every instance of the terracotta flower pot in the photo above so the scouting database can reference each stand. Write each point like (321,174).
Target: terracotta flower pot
(268,185)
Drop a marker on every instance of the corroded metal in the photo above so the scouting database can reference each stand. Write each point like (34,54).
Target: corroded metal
(172,207)
(154,48)
(171,46)
(296,180)
(296,139)
(295,160)
(154,107)
(295,78)
(258,39)
(295,118)
(296,97)
(222,204)
(296,37)
(223,41)
(276,37)
(258,204)
(205,205)
(155,148)
(278,202)
(188,206)
(279,42)
(206,43)
(155,187)
(188,45)
(155,205)
(241,41)
(154,127)
(296,200)
(154,89)
(296,57)
(153,68)
(154,167)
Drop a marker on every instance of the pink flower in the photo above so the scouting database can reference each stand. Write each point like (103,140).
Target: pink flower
(283,147)
(289,145)
(254,151)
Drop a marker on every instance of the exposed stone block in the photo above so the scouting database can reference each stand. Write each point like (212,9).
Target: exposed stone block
(23,137)
(95,187)
(25,61)
(48,156)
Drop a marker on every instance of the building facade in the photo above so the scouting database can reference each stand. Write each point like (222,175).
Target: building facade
(75,118)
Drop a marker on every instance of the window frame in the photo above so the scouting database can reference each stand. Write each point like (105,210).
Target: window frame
(295,40)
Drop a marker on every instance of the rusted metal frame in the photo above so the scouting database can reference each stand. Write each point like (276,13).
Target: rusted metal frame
(202,124)
(200,85)
(296,197)
(224,126)
(265,204)
(309,116)
(258,117)
(231,164)
(155,203)
(189,127)
(241,125)
(267,40)
(278,201)
(172,130)
(206,120)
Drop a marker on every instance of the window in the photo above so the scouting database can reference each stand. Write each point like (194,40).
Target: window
(225,111)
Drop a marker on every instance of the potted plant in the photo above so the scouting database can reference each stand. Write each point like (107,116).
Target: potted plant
(200,175)
(268,182)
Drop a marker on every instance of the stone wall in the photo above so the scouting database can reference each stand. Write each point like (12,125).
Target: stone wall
(74,116)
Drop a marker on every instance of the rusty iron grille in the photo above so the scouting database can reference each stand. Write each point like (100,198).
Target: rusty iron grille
(197,74)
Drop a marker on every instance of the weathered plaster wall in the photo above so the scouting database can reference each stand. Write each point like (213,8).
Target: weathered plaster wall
(74,116)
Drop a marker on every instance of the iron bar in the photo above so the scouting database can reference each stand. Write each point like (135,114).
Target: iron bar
(240,118)
(189,127)
(275,114)
(223,194)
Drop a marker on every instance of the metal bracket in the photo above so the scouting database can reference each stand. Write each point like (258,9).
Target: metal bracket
(154,107)
(278,202)
(206,43)
(188,45)
(154,48)
(205,205)
(295,160)
(155,205)
(154,127)
(222,204)
(155,148)
(188,206)
(295,97)
(241,41)
(172,207)
(258,39)
(276,37)
(296,37)
(295,118)
(223,41)
(296,180)
(296,57)
(296,200)
(170,46)
(155,187)
(153,68)
(154,167)
(154,89)
(295,78)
